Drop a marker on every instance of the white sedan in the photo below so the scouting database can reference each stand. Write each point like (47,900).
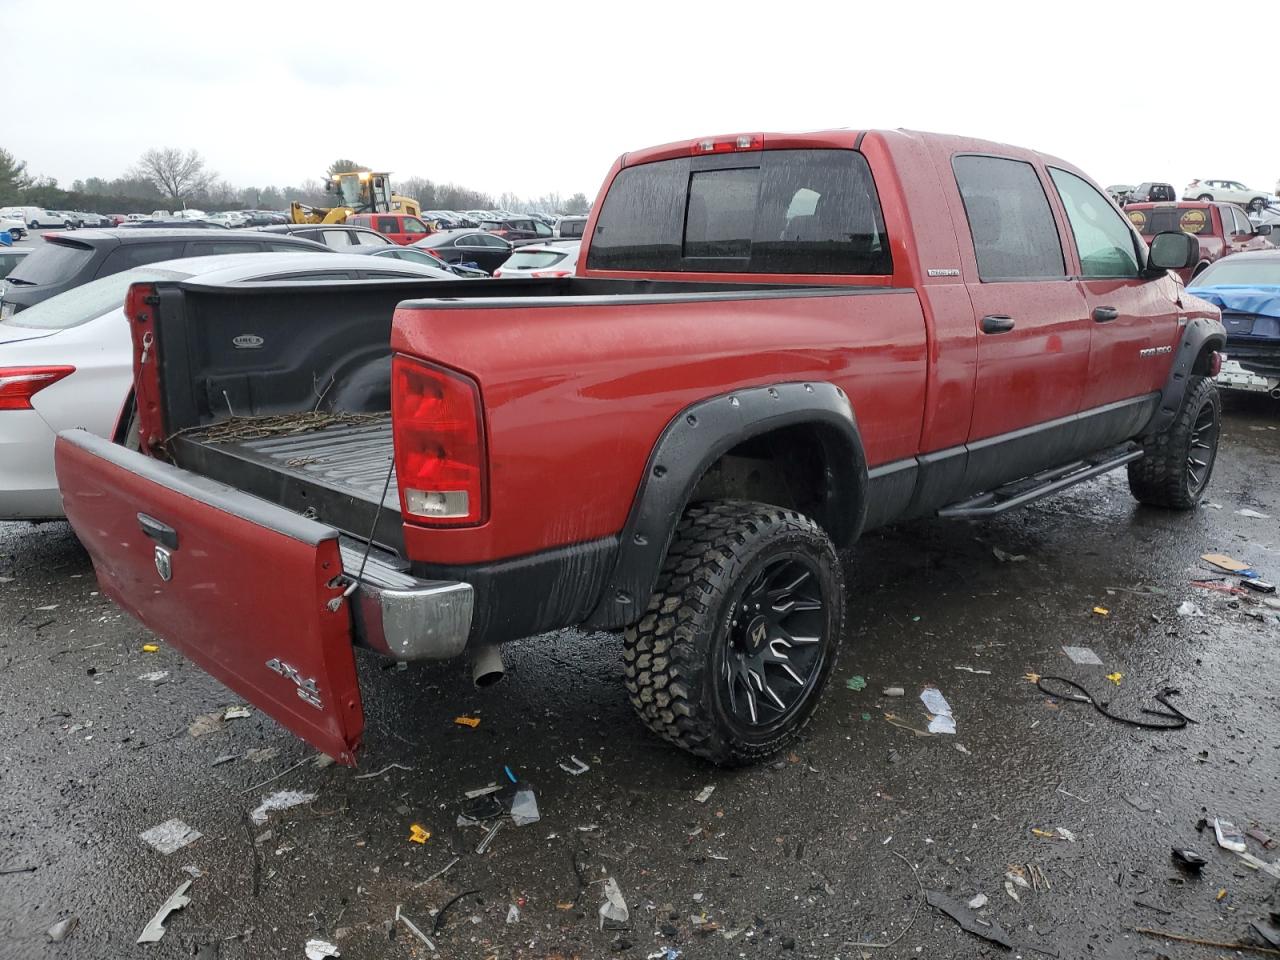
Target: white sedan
(556,259)
(1227,191)
(68,361)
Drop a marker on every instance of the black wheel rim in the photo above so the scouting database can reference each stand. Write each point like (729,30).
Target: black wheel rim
(775,645)
(1204,445)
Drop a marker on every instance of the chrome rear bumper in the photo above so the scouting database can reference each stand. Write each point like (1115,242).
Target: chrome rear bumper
(403,617)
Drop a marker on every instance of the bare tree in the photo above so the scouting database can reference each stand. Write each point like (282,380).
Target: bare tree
(177,175)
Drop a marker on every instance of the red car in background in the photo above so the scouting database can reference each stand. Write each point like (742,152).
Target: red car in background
(401,228)
(1220,228)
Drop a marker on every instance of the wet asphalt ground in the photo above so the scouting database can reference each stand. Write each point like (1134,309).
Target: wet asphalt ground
(826,848)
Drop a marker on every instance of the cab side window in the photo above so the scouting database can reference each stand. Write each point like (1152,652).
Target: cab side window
(1104,239)
(1014,233)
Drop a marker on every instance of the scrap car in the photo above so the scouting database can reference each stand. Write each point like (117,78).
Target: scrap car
(774,343)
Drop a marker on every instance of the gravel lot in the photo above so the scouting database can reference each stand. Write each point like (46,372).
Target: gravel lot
(828,847)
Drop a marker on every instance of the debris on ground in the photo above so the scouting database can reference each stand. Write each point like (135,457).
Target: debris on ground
(471,722)
(614,909)
(524,807)
(940,719)
(417,834)
(170,836)
(1253,514)
(1270,869)
(1258,585)
(438,924)
(280,800)
(1139,803)
(978,902)
(1229,564)
(974,670)
(1268,930)
(856,683)
(969,922)
(1082,656)
(1189,609)
(320,949)
(60,930)
(1115,677)
(155,676)
(893,720)
(240,712)
(1177,719)
(483,845)
(413,928)
(1057,833)
(1005,557)
(155,929)
(1229,838)
(482,791)
(1185,857)
(1262,837)
(894,692)
(150,648)
(1102,611)
(513,913)
(705,793)
(206,723)
(1183,938)
(262,754)
(577,769)
(378,773)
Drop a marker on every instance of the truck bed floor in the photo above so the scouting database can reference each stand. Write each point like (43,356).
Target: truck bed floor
(335,473)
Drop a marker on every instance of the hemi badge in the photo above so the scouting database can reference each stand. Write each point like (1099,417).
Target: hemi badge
(949,272)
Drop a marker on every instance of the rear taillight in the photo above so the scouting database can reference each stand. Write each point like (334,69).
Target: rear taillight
(552,273)
(19,384)
(439,443)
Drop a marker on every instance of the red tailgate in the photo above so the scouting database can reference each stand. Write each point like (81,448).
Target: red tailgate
(239,585)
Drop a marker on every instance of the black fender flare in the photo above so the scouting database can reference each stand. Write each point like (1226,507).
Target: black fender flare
(1199,334)
(691,442)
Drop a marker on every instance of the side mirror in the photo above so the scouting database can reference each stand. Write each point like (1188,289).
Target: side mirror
(1172,250)
(1263,229)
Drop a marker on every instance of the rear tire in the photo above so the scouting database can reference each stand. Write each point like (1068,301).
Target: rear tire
(1258,204)
(1207,197)
(1177,464)
(742,631)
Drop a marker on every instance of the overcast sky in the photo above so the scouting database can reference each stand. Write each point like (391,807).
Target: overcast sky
(541,96)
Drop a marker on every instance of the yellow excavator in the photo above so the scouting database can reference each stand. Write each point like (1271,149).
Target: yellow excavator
(356,192)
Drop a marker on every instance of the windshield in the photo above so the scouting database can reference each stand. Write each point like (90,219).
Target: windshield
(1193,220)
(1250,272)
(88,301)
(51,263)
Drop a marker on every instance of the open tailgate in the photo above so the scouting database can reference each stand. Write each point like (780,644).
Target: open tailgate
(239,585)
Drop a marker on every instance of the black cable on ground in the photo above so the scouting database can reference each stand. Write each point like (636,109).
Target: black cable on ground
(1177,717)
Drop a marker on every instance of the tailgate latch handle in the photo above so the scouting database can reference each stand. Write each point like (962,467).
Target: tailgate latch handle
(161,533)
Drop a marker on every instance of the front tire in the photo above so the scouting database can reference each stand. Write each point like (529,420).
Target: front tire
(741,632)
(1258,204)
(1177,464)
(1207,197)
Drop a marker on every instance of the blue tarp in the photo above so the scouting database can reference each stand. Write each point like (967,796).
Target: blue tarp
(1258,299)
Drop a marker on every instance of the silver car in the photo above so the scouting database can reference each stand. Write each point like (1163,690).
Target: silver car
(68,361)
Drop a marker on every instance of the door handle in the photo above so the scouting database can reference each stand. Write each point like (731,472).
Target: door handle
(161,533)
(997,323)
(1105,314)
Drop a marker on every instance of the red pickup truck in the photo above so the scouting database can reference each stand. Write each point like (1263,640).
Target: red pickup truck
(776,343)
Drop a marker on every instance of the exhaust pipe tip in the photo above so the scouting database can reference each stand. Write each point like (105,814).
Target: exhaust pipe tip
(487,668)
(1275,393)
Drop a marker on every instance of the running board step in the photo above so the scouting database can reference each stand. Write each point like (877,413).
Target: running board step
(1024,491)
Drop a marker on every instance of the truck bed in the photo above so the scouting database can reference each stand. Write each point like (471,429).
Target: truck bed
(334,465)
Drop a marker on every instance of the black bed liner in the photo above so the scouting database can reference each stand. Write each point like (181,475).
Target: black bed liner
(338,472)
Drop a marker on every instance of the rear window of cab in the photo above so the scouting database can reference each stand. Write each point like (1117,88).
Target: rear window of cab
(1193,220)
(775,211)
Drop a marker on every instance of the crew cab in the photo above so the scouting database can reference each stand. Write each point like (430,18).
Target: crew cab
(775,343)
(1220,229)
